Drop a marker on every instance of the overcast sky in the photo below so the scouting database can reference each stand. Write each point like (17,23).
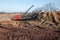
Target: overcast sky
(23,5)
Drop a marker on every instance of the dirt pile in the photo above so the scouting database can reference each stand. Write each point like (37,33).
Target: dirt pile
(49,20)
(46,28)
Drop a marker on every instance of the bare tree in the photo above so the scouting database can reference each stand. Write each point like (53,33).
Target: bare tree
(47,8)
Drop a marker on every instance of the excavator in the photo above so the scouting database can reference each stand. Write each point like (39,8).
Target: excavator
(26,16)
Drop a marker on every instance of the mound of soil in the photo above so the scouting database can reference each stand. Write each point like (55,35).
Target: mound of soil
(43,29)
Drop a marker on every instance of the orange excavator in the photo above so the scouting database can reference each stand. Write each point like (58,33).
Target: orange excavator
(26,16)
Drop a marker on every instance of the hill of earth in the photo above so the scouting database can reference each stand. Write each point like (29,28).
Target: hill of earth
(46,27)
